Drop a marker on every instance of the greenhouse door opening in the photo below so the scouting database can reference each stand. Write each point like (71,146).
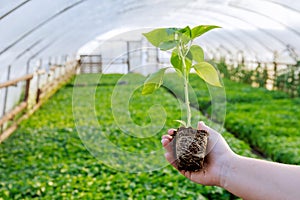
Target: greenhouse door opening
(90,64)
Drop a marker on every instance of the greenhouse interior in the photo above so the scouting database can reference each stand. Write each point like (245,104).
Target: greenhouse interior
(93,92)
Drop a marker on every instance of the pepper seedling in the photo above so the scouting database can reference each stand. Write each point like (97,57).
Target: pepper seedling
(184,57)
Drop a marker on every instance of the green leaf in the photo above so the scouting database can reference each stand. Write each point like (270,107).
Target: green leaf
(186,34)
(172,31)
(197,53)
(178,72)
(183,123)
(153,82)
(186,31)
(175,60)
(200,30)
(208,73)
(168,45)
(158,36)
(188,62)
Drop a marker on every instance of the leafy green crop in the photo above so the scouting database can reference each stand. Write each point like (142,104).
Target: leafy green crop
(271,126)
(184,57)
(46,159)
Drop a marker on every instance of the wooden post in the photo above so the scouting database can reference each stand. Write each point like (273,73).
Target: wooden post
(274,68)
(5,95)
(128,57)
(65,65)
(49,66)
(80,61)
(38,92)
(27,90)
(91,64)
(8,128)
(49,61)
(157,58)
(6,89)
(293,85)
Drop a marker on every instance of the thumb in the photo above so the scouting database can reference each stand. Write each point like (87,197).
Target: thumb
(202,126)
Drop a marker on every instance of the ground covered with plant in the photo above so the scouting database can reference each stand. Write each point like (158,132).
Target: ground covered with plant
(45,158)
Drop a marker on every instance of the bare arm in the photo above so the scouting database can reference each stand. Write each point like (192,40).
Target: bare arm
(258,179)
(245,177)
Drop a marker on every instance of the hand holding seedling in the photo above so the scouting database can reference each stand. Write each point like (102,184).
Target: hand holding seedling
(219,155)
(247,178)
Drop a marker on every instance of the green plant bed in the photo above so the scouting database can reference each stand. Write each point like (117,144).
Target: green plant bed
(45,158)
(272,126)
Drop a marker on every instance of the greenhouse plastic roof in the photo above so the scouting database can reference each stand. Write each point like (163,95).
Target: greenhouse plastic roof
(42,28)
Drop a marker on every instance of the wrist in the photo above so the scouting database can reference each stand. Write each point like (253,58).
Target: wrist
(226,169)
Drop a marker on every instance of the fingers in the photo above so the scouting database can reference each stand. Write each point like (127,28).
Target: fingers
(202,126)
(166,142)
(171,131)
(166,139)
(168,145)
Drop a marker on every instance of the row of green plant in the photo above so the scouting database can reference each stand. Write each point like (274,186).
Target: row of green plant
(287,80)
(271,126)
(267,120)
(46,159)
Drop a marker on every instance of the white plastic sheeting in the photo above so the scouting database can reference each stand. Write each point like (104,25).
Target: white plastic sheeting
(37,32)
(33,29)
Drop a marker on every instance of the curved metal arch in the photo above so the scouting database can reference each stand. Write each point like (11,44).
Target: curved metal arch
(225,37)
(283,5)
(221,45)
(36,41)
(27,49)
(220,39)
(63,37)
(244,21)
(246,33)
(225,40)
(14,9)
(41,25)
(255,26)
(39,51)
(53,37)
(234,37)
(268,17)
(228,36)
